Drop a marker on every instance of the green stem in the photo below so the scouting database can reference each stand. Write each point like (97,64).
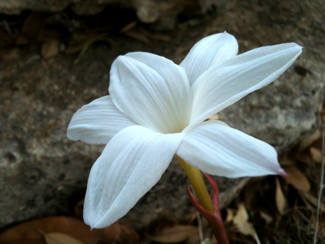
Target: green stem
(195,177)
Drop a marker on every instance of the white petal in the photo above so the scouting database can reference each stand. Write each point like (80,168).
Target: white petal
(152,91)
(131,163)
(97,122)
(239,76)
(210,51)
(221,150)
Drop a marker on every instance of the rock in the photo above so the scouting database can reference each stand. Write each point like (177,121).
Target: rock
(148,11)
(43,173)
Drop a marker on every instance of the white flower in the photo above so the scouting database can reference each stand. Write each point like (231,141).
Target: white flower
(157,108)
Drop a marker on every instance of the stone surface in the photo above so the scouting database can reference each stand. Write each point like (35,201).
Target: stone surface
(148,11)
(43,173)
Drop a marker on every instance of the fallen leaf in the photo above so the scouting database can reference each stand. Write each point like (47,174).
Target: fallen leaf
(24,241)
(297,179)
(230,215)
(280,199)
(120,233)
(32,230)
(50,48)
(286,161)
(103,37)
(129,27)
(309,140)
(268,219)
(303,157)
(60,238)
(32,28)
(242,224)
(214,117)
(34,24)
(315,154)
(313,200)
(176,233)
(138,35)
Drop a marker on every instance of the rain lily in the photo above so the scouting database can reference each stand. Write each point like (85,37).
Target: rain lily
(156,109)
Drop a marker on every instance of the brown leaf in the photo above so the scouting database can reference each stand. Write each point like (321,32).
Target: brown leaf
(309,140)
(176,233)
(32,28)
(50,48)
(297,179)
(285,160)
(303,157)
(242,224)
(32,230)
(313,200)
(60,238)
(315,154)
(129,27)
(24,241)
(214,117)
(34,24)
(120,233)
(230,215)
(268,219)
(280,199)
(138,35)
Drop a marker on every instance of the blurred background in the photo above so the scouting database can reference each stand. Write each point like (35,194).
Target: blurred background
(55,56)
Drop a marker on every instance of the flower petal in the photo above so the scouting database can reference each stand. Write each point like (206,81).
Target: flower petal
(239,76)
(131,163)
(97,122)
(152,90)
(209,51)
(221,150)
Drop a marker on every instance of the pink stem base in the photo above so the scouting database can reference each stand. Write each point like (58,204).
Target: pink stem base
(213,217)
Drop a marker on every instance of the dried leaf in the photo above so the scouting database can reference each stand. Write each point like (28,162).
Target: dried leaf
(60,238)
(280,199)
(35,230)
(309,140)
(242,224)
(303,157)
(24,241)
(34,24)
(32,230)
(120,233)
(103,37)
(286,161)
(50,48)
(297,179)
(214,117)
(313,200)
(230,215)
(176,233)
(32,28)
(268,219)
(138,35)
(315,154)
(129,27)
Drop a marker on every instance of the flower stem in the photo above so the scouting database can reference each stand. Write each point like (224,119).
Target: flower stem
(195,177)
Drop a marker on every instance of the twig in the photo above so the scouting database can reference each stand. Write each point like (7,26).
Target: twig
(321,185)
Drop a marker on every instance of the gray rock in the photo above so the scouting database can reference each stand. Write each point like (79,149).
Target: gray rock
(43,173)
(148,11)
